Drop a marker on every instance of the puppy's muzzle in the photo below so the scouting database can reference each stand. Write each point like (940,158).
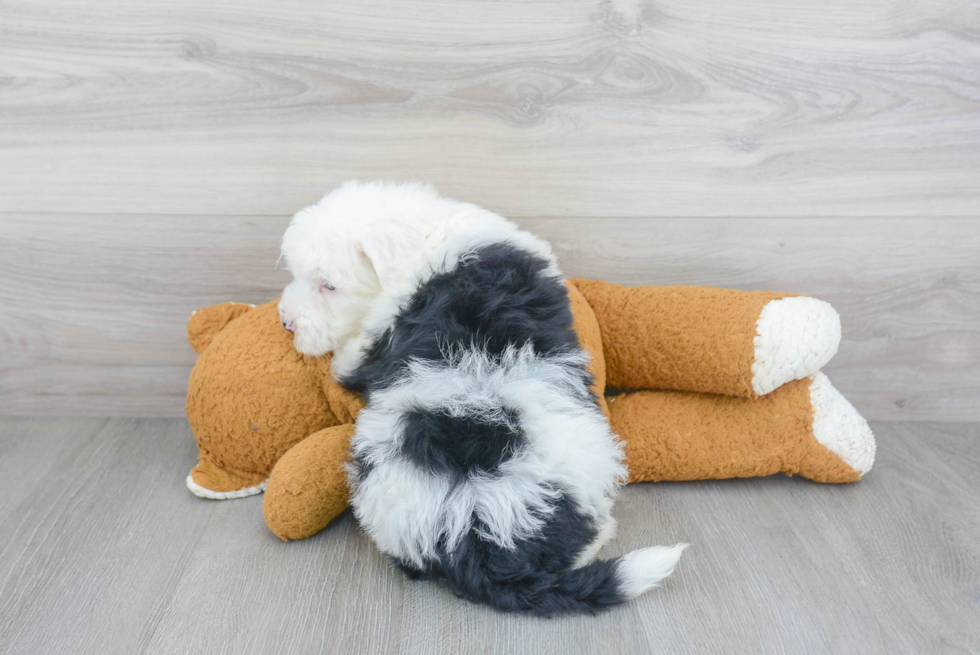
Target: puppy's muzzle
(290,325)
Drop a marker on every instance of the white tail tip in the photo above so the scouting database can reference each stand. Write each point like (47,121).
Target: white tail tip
(641,570)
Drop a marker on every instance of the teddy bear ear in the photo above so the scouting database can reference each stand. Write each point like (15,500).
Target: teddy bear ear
(206,322)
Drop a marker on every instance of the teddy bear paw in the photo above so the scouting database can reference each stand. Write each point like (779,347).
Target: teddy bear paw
(243,492)
(795,338)
(204,492)
(839,427)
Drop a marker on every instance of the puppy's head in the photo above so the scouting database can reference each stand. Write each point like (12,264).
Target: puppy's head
(343,253)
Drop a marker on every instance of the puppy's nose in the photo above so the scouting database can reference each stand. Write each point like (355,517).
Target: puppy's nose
(289,325)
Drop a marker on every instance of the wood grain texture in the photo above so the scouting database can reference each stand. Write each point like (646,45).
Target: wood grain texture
(110,553)
(150,153)
(93,308)
(572,108)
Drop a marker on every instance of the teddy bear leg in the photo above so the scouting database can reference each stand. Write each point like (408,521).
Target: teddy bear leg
(308,486)
(208,480)
(804,427)
(723,341)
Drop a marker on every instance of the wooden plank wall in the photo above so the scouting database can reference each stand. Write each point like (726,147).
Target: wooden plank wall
(151,153)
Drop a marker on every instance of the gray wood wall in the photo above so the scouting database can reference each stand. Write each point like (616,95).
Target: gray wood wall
(151,153)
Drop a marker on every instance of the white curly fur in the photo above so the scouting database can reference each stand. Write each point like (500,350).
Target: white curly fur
(357,258)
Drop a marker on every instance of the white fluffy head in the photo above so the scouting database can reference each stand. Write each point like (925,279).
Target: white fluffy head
(364,248)
(344,250)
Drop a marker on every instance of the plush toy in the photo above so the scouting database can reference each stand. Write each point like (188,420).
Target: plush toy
(699,382)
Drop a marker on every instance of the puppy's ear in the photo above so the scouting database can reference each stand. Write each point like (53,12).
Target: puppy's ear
(389,244)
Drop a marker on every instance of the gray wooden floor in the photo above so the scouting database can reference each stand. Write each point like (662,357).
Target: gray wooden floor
(102,549)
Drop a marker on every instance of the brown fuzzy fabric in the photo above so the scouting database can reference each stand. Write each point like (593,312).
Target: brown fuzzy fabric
(590,339)
(251,397)
(308,487)
(680,435)
(205,323)
(677,337)
(260,410)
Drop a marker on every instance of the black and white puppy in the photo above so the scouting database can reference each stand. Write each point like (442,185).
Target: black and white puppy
(481,457)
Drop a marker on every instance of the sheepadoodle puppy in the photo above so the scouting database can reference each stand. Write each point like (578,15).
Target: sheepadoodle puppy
(481,457)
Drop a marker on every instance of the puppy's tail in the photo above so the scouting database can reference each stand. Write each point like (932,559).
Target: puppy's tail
(590,589)
(641,570)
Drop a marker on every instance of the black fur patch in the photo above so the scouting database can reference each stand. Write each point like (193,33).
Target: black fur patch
(536,576)
(459,446)
(493,299)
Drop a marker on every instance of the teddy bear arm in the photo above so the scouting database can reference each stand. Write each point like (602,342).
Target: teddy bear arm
(307,488)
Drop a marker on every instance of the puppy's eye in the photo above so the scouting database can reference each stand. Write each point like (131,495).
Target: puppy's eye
(324,286)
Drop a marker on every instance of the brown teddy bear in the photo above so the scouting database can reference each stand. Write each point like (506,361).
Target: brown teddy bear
(699,382)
